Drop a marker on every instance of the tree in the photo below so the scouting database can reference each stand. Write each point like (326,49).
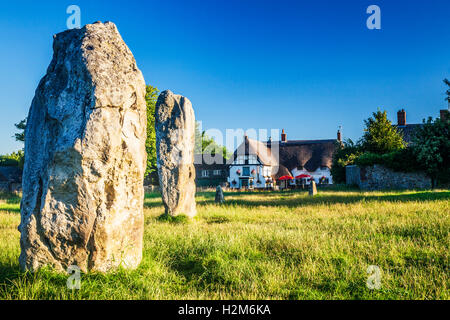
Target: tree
(151,96)
(344,155)
(15,159)
(447,82)
(432,149)
(20,136)
(206,144)
(380,136)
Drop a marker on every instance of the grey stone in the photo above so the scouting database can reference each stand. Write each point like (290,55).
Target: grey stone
(219,195)
(378,177)
(175,139)
(312,188)
(85,156)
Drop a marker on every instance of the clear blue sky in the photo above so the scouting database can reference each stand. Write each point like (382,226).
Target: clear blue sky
(305,66)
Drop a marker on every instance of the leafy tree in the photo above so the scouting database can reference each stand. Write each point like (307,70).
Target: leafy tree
(346,153)
(20,136)
(206,144)
(15,159)
(151,97)
(447,82)
(380,136)
(432,148)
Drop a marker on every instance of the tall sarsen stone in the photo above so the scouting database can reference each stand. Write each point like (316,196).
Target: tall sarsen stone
(85,156)
(175,139)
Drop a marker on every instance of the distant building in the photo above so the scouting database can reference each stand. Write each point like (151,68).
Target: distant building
(287,163)
(10,179)
(210,174)
(407,129)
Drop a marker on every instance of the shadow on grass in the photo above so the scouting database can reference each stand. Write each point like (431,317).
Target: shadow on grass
(181,219)
(296,198)
(199,267)
(8,273)
(10,210)
(277,199)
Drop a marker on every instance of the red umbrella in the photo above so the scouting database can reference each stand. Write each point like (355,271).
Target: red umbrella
(303,176)
(285,178)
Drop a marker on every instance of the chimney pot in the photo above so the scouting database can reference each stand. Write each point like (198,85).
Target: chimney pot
(283,136)
(401,118)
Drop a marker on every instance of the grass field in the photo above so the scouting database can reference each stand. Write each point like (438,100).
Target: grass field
(280,245)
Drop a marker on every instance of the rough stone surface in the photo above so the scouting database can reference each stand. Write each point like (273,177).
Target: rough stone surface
(378,177)
(85,156)
(175,139)
(219,195)
(312,188)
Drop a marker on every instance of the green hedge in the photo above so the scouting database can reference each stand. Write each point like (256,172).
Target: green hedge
(403,160)
(14,159)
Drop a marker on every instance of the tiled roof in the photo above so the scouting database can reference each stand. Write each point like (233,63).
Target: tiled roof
(408,131)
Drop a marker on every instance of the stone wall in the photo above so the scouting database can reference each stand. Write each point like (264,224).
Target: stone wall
(378,177)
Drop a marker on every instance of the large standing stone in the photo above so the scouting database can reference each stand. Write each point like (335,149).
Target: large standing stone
(175,139)
(85,156)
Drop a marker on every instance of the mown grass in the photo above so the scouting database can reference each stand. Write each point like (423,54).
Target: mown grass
(280,245)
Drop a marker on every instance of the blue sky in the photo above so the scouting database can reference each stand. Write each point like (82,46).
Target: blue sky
(305,66)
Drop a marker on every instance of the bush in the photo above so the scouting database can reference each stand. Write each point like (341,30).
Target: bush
(404,160)
(14,159)
(345,155)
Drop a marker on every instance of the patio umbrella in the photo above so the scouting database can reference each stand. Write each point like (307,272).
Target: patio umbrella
(285,178)
(303,176)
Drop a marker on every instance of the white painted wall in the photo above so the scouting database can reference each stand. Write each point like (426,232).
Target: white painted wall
(319,173)
(263,178)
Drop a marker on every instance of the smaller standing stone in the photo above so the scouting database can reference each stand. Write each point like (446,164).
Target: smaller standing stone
(175,140)
(312,188)
(219,195)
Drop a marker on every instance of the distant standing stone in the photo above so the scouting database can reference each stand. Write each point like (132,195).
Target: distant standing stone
(85,156)
(175,139)
(219,195)
(312,188)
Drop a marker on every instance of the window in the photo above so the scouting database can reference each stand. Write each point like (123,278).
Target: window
(239,160)
(246,171)
(205,173)
(217,172)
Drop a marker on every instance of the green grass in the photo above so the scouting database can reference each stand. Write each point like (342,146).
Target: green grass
(280,245)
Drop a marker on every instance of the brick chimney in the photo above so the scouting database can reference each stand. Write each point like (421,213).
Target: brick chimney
(283,136)
(339,135)
(444,114)
(401,118)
